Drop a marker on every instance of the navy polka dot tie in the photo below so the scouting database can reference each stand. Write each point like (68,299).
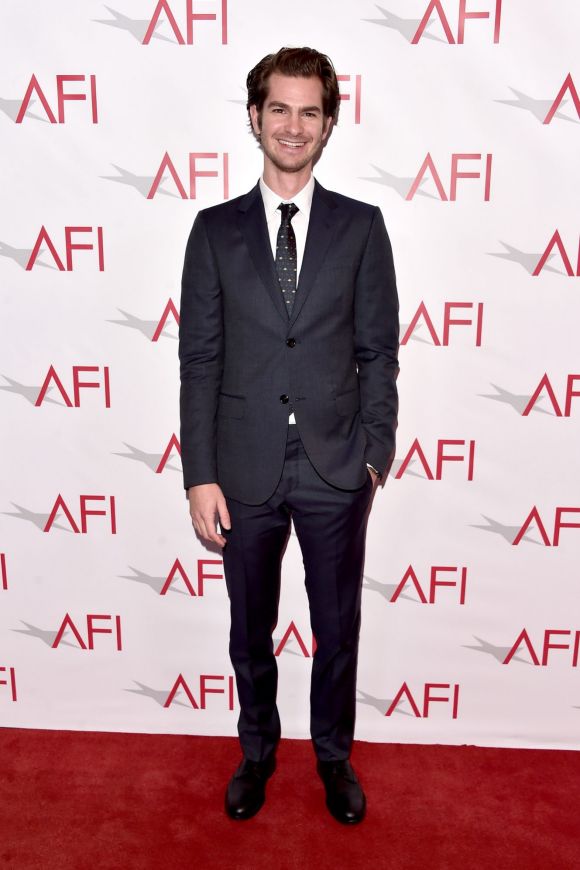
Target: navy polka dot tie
(286,264)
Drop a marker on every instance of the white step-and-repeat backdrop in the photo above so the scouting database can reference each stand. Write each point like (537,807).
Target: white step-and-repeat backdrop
(461,120)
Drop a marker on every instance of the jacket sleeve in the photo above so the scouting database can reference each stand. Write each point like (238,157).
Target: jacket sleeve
(376,338)
(200,357)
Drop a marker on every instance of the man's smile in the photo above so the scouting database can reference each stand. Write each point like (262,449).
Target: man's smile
(289,143)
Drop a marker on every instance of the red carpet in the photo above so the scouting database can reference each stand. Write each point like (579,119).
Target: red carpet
(94,801)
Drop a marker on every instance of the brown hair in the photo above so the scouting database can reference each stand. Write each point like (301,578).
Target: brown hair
(294,62)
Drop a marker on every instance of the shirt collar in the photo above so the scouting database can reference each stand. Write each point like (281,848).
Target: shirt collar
(303,199)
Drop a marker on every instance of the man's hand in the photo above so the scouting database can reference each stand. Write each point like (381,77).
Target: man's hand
(374,475)
(206,503)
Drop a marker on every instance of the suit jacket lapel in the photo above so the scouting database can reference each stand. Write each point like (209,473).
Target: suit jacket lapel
(252,222)
(318,238)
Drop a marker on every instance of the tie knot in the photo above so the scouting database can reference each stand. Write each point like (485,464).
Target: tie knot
(288,210)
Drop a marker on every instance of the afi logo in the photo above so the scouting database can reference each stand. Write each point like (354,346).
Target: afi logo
(440,458)
(92,629)
(348,96)
(438,7)
(70,246)
(52,376)
(428,699)
(209,684)
(60,504)
(556,242)
(61,97)
(567,86)
(10,682)
(3,572)
(169,309)
(194,173)
(428,165)
(165,7)
(459,583)
(523,639)
(173,443)
(449,320)
(177,569)
(293,632)
(559,524)
(546,385)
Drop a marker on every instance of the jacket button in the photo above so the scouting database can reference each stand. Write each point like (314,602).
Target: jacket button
(291,342)
(284,399)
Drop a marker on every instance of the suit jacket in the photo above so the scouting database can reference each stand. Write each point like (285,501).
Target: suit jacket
(244,363)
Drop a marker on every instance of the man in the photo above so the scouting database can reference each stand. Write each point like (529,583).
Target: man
(288,351)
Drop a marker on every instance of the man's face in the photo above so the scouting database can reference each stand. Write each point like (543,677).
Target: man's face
(293,126)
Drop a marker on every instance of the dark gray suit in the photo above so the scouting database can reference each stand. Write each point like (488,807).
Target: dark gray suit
(244,365)
(244,362)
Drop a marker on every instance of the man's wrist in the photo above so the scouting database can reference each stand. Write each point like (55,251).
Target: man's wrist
(372,468)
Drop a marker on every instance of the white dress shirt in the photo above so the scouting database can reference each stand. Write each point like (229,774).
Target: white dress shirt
(303,201)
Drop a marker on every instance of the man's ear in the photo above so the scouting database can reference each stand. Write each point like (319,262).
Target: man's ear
(326,127)
(254,117)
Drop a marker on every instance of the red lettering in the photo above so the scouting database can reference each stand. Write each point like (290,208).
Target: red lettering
(463,16)
(34,87)
(543,385)
(173,443)
(548,645)
(293,630)
(62,96)
(427,164)
(180,683)
(533,516)
(435,582)
(404,691)
(60,503)
(44,237)
(524,638)
(415,448)
(434,6)
(421,312)
(559,524)
(556,241)
(12,683)
(409,575)
(3,571)
(570,392)
(67,621)
(201,575)
(428,698)
(568,85)
(442,457)
(52,375)
(357,97)
(92,629)
(449,321)
(169,309)
(163,6)
(176,568)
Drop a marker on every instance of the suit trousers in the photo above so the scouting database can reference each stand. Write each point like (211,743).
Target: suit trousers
(330,525)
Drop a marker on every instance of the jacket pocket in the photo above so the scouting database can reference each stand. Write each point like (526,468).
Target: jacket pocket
(231,406)
(347,403)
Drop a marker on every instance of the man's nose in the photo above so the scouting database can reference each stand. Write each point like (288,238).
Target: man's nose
(294,123)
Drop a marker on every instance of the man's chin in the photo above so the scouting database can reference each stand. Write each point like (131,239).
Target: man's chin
(291,166)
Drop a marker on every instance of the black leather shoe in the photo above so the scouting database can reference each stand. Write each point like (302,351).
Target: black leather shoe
(246,791)
(344,796)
